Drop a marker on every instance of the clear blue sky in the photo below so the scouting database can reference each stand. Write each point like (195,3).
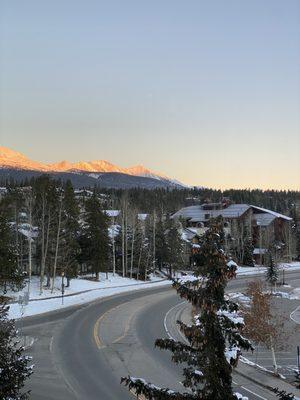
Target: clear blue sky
(204,91)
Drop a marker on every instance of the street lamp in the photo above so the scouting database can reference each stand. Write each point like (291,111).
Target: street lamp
(62,287)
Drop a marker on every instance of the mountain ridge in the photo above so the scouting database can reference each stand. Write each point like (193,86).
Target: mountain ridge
(11,159)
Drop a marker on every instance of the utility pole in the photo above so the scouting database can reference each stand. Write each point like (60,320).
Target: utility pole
(113,241)
(154,241)
(62,287)
(260,244)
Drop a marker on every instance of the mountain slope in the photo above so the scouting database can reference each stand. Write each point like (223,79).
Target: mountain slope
(12,159)
(97,172)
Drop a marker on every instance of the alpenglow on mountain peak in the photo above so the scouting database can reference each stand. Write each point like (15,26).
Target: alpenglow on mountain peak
(15,160)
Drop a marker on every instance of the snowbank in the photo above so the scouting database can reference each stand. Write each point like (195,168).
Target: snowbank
(294,266)
(80,292)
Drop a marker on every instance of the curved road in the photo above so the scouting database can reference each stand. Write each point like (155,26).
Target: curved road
(81,352)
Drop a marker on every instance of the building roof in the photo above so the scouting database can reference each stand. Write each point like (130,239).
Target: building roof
(197,214)
(276,215)
(112,213)
(264,219)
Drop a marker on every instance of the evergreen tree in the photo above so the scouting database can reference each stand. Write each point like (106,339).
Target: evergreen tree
(11,277)
(96,235)
(283,395)
(161,245)
(174,246)
(208,362)
(140,255)
(70,248)
(272,273)
(248,251)
(14,369)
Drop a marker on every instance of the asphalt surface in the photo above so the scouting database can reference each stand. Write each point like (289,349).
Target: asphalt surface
(81,352)
(286,353)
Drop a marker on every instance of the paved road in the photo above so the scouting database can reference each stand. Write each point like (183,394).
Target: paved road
(286,356)
(80,353)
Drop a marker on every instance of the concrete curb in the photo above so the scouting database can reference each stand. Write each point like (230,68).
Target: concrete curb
(281,382)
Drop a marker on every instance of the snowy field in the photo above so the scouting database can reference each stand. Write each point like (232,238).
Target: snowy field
(241,271)
(83,291)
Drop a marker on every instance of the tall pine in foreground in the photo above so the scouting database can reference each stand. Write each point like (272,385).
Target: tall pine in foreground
(214,341)
(71,230)
(272,273)
(11,276)
(14,368)
(96,236)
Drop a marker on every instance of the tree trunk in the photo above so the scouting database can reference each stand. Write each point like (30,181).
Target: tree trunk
(154,241)
(132,252)
(57,245)
(126,245)
(113,248)
(123,244)
(274,357)
(42,269)
(46,252)
(29,208)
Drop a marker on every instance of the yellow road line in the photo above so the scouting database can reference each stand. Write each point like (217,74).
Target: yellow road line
(96,335)
(127,327)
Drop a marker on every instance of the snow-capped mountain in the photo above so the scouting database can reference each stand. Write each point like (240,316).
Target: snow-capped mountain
(14,160)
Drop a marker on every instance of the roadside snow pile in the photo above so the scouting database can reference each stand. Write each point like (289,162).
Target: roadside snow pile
(239,298)
(283,295)
(234,317)
(81,291)
(240,397)
(295,294)
(242,271)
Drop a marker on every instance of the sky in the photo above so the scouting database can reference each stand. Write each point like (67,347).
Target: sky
(207,92)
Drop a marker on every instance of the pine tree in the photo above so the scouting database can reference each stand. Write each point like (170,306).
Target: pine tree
(248,251)
(283,395)
(14,369)
(174,246)
(11,277)
(71,247)
(214,340)
(96,234)
(272,273)
(161,245)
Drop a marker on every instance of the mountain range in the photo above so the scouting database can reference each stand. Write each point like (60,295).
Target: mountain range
(83,173)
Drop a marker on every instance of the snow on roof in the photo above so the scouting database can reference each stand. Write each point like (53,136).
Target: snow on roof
(197,214)
(113,231)
(142,217)
(29,235)
(257,250)
(264,219)
(112,213)
(188,234)
(277,215)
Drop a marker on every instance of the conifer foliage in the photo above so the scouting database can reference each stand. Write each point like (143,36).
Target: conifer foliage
(272,271)
(11,277)
(96,236)
(14,368)
(214,341)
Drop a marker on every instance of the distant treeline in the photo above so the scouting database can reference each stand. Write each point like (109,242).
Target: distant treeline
(170,200)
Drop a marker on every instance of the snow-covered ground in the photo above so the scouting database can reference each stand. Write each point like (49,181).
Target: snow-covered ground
(262,270)
(81,291)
